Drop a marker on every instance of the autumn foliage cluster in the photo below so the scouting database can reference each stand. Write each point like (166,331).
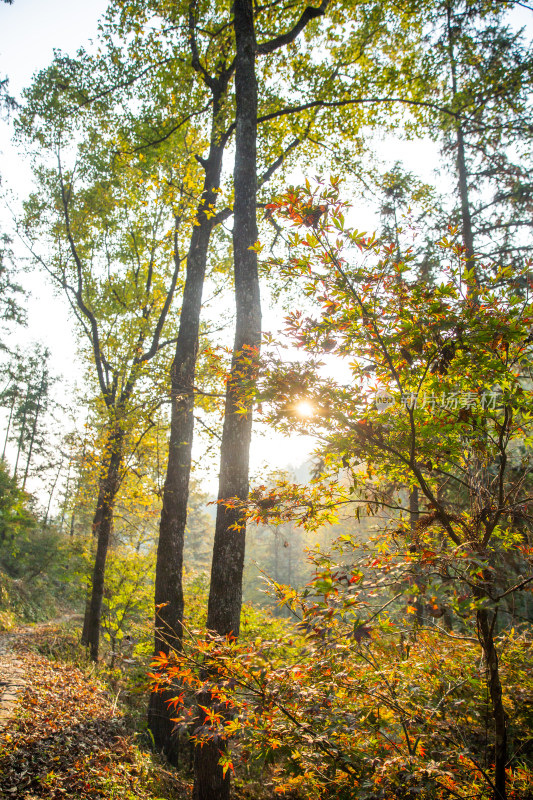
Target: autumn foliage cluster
(405,670)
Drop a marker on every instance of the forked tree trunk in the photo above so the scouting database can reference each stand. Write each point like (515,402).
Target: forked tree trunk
(102,529)
(169,583)
(225,594)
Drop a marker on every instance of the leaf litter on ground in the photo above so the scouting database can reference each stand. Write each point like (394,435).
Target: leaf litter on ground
(68,739)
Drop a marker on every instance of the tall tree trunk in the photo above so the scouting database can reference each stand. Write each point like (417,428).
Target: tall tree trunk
(102,528)
(468,234)
(225,594)
(486,638)
(168,582)
(462,169)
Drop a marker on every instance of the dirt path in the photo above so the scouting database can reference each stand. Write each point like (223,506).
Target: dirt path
(12,677)
(12,667)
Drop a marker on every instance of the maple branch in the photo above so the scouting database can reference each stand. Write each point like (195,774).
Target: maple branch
(411,461)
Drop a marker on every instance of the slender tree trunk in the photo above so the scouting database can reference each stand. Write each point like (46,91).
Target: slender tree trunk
(11,410)
(466,218)
(462,169)
(102,528)
(414,513)
(51,495)
(225,594)
(92,551)
(486,638)
(21,436)
(225,597)
(168,582)
(33,432)
(414,510)
(63,510)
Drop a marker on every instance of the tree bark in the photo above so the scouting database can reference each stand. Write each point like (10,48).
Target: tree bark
(168,582)
(462,168)
(414,514)
(225,594)
(225,597)
(468,235)
(102,529)
(486,638)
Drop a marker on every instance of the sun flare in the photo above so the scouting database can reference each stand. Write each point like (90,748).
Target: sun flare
(304,409)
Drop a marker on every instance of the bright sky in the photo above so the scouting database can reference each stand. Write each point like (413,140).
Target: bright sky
(29,32)
(31,29)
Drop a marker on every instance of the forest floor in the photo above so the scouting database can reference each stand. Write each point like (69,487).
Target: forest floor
(62,735)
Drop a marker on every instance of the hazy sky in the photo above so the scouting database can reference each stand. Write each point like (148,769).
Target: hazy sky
(29,32)
(31,29)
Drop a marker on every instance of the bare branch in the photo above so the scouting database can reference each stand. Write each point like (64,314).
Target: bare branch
(356,101)
(100,362)
(277,163)
(208,428)
(515,588)
(195,56)
(154,347)
(311,12)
